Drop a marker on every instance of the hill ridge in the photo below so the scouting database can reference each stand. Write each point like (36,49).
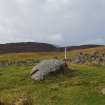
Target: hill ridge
(38,47)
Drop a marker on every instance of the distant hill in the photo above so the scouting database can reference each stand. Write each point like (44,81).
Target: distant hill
(81,47)
(37,47)
(26,47)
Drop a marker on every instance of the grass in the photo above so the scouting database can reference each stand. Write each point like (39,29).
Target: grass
(47,55)
(82,85)
(28,56)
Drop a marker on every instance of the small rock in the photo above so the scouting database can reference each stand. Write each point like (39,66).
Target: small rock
(103,91)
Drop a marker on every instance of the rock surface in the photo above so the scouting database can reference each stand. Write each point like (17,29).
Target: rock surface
(103,91)
(46,67)
(88,58)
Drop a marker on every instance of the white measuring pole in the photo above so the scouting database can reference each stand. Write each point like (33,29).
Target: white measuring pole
(65,53)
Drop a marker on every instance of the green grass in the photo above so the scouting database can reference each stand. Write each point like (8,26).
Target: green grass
(80,86)
(35,56)
(47,55)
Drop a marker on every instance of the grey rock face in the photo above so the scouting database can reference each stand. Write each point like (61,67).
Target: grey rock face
(45,67)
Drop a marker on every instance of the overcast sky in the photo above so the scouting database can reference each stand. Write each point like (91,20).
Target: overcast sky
(60,22)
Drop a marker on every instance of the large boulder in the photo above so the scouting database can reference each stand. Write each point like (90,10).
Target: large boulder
(47,67)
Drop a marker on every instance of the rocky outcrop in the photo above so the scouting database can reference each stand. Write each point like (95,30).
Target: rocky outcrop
(85,58)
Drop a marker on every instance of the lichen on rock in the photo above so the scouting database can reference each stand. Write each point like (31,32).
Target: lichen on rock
(46,67)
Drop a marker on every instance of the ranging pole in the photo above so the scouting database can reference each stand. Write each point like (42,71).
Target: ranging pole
(65,53)
(66,63)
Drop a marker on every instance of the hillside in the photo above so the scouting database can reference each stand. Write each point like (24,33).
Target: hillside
(80,47)
(81,85)
(80,56)
(89,56)
(26,47)
(37,47)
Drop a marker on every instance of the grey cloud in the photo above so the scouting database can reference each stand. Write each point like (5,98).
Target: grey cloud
(61,22)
